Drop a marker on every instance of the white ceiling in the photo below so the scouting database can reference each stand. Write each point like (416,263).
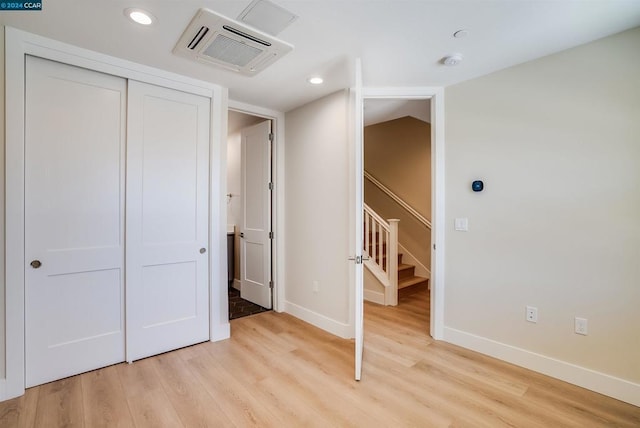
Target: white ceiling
(381,110)
(401,42)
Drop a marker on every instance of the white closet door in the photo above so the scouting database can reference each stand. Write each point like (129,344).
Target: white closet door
(255,245)
(167,220)
(74,211)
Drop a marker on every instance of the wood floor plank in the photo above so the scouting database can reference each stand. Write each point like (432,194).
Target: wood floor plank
(104,399)
(20,411)
(429,393)
(486,374)
(60,404)
(353,408)
(194,405)
(153,410)
(235,399)
(277,371)
(139,377)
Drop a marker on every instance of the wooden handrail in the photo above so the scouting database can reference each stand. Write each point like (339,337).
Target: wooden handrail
(422,219)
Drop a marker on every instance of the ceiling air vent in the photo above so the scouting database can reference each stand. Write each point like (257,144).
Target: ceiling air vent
(217,40)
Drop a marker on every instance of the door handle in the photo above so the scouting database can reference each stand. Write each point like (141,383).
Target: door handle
(35,264)
(203,250)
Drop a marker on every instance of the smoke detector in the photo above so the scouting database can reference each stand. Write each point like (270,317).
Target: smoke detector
(216,40)
(452,60)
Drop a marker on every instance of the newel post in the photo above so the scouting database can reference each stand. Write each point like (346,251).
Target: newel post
(391,292)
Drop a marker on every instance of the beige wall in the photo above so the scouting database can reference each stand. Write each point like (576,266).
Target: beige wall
(557,142)
(317,210)
(398,154)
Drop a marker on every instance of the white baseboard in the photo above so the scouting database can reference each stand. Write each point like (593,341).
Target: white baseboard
(224,332)
(236,284)
(332,326)
(374,296)
(602,383)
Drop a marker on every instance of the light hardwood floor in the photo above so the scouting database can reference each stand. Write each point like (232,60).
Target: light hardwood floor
(279,371)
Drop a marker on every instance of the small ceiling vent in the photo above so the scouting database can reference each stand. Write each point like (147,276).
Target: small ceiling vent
(217,40)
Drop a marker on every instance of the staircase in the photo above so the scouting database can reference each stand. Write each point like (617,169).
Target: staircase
(408,282)
(384,261)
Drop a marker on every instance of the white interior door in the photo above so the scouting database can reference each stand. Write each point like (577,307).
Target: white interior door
(359,201)
(167,219)
(74,211)
(255,244)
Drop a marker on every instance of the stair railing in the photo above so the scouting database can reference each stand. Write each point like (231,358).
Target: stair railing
(422,219)
(381,250)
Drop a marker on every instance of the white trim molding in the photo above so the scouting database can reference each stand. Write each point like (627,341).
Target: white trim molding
(374,296)
(278,203)
(18,44)
(586,378)
(340,329)
(436,95)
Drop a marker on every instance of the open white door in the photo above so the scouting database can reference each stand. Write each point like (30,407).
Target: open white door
(255,228)
(167,220)
(359,196)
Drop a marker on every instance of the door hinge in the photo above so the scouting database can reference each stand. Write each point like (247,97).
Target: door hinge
(271,186)
(270,235)
(270,284)
(271,136)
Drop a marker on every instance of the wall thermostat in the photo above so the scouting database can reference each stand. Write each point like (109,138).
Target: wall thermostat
(477,186)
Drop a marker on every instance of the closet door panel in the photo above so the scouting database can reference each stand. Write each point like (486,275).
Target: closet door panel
(74,212)
(167,219)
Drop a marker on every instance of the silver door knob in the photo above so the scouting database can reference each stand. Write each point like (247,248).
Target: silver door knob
(35,264)
(203,250)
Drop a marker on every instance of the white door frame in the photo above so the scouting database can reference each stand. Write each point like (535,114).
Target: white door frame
(436,95)
(18,44)
(277,202)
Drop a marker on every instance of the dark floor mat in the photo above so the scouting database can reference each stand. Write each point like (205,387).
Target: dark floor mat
(238,307)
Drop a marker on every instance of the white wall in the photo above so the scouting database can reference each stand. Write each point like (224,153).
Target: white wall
(557,143)
(317,212)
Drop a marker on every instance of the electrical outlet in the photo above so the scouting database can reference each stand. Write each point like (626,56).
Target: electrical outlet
(315,286)
(581,326)
(532,314)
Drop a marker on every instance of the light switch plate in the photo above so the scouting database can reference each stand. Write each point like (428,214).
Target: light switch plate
(462,224)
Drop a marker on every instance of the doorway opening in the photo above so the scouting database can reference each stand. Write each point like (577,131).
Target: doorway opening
(435,316)
(249,214)
(397,201)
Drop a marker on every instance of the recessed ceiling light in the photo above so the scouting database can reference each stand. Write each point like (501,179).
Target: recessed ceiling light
(460,34)
(140,16)
(316,80)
